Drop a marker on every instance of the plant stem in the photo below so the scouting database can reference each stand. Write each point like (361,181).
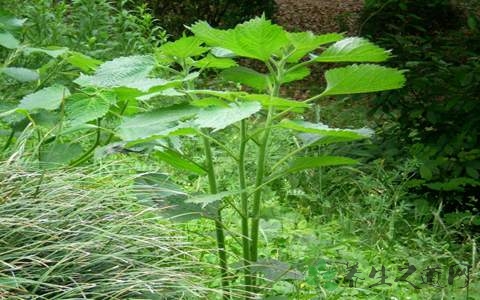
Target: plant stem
(222,254)
(260,174)
(89,152)
(244,207)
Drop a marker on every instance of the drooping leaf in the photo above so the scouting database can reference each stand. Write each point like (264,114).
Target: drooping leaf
(353,49)
(325,130)
(58,154)
(7,40)
(306,42)
(48,98)
(304,163)
(52,51)
(183,48)
(130,71)
(9,22)
(82,107)
(247,76)
(362,79)
(158,190)
(156,123)
(257,38)
(220,117)
(20,74)
(179,161)
(82,61)
(213,62)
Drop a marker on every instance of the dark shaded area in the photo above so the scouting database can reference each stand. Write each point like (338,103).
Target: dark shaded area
(436,116)
(219,13)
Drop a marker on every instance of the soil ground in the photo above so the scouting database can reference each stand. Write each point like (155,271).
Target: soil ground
(319,16)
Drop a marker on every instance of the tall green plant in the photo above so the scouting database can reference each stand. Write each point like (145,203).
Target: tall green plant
(250,114)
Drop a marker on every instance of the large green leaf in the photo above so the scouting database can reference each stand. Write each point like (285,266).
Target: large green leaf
(7,40)
(362,79)
(322,129)
(248,77)
(183,48)
(353,49)
(304,163)
(219,117)
(82,107)
(257,38)
(48,98)
(130,71)
(156,123)
(306,42)
(20,74)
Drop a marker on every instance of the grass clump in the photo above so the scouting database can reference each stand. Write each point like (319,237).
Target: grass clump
(81,235)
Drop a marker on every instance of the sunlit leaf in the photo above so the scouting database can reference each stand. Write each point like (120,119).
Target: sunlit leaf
(353,49)
(48,98)
(128,71)
(362,79)
(183,48)
(257,38)
(306,42)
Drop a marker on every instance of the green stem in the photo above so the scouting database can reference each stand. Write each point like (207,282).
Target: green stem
(260,174)
(222,254)
(89,152)
(244,206)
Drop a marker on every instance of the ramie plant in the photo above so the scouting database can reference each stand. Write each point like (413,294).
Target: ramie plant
(201,113)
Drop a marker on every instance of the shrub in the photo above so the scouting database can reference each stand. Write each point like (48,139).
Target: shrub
(437,116)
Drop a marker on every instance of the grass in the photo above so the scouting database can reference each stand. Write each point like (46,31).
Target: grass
(82,235)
